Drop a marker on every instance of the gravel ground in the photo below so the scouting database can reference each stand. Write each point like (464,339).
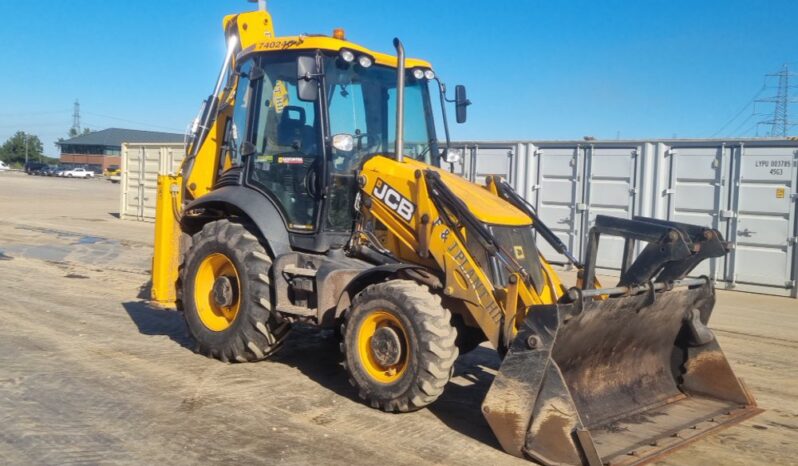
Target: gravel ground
(89,374)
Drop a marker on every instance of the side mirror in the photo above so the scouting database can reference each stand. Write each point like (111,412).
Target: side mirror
(452,156)
(306,73)
(461,103)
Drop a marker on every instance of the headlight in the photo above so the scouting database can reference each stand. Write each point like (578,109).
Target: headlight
(429,74)
(365,61)
(347,56)
(418,73)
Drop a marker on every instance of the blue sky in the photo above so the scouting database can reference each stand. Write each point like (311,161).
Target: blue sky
(534,69)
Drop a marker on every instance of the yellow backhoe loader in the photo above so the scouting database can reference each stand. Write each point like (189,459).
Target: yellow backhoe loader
(314,190)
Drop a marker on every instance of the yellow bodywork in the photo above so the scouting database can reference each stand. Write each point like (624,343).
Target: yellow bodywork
(465,279)
(165,259)
(430,243)
(255,33)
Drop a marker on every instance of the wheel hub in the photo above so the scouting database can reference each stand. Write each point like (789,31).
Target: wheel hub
(224,291)
(386,346)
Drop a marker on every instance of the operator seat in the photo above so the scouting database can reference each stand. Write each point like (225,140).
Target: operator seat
(295,132)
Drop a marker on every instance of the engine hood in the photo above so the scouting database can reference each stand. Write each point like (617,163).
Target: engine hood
(485,205)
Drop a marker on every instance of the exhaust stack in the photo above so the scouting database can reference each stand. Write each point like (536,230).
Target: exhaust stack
(400,99)
(261,4)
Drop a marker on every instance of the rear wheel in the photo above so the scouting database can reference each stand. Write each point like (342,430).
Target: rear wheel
(226,296)
(399,346)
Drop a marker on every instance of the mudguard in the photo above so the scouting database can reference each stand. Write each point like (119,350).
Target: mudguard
(260,209)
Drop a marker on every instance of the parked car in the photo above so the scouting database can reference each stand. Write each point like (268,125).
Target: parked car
(3,166)
(112,170)
(79,172)
(41,171)
(113,173)
(50,171)
(31,167)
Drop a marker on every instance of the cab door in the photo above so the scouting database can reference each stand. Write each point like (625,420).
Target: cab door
(284,148)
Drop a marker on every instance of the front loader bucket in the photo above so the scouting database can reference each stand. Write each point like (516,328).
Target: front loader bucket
(616,381)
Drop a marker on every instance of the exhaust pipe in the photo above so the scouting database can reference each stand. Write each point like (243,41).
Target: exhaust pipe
(261,4)
(400,99)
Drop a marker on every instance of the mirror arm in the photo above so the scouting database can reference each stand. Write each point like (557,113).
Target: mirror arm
(442,91)
(451,101)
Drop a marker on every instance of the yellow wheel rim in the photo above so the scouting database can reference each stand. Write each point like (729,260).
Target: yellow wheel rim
(217,270)
(373,363)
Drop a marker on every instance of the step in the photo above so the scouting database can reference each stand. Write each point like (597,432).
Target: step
(302,272)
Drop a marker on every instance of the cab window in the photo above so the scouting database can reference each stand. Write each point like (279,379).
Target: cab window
(285,132)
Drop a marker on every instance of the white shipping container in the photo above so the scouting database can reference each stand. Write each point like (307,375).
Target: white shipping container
(747,189)
(141,165)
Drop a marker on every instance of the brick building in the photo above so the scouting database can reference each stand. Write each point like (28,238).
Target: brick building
(101,149)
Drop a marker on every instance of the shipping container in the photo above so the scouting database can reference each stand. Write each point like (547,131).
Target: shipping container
(746,188)
(141,164)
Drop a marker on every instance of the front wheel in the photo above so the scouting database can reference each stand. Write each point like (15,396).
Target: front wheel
(226,295)
(399,345)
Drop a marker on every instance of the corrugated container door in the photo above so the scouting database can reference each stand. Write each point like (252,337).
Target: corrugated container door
(484,160)
(610,189)
(171,157)
(557,195)
(133,166)
(149,182)
(764,216)
(697,193)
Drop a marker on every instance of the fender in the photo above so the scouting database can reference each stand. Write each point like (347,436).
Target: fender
(378,274)
(238,199)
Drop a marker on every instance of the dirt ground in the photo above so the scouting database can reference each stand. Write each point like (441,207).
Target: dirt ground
(89,374)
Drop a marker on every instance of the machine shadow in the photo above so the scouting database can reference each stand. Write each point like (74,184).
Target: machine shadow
(315,353)
(460,406)
(153,321)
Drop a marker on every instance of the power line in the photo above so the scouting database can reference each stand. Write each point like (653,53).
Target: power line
(19,114)
(133,121)
(750,102)
(735,132)
(32,125)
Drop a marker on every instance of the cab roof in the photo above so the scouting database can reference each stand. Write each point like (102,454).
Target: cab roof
(256,34)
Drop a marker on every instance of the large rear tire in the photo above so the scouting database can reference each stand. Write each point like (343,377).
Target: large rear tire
(226,295)
(399,346)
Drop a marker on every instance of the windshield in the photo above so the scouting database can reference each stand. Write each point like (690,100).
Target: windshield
(292,162)
(362,103)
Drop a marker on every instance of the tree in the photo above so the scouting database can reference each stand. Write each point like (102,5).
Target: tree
(74,132)
(13,150)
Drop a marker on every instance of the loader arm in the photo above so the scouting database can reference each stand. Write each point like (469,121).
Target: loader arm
(423,215)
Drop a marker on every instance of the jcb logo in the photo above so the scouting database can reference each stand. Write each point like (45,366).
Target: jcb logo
(393,200)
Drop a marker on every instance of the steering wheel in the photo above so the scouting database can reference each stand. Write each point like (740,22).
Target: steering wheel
(359,136)
(311,180)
